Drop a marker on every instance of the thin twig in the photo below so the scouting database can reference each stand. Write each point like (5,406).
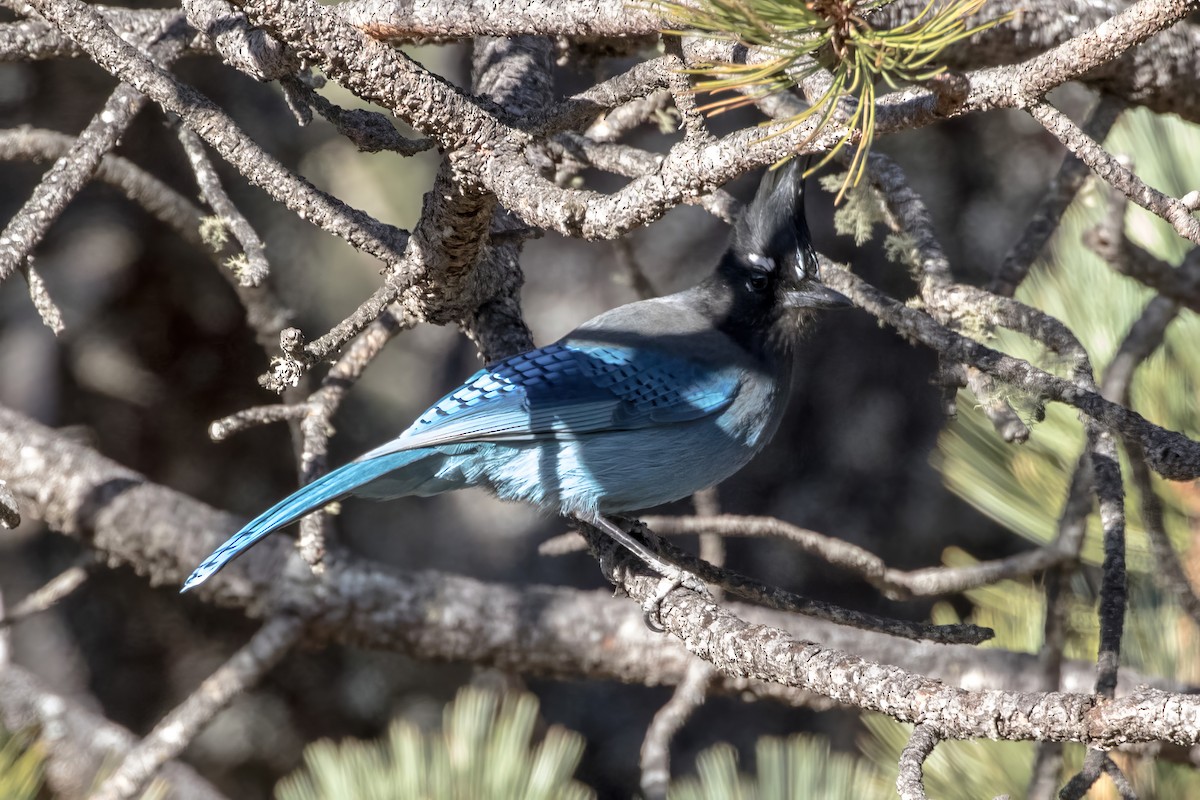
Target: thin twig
(157,198)
(616,123)
(1109,168)
(73,170)
(176,731)
(265,314)
(656,746)
(1169,453)
(782,600)
(627,261)
(256,268)
(1045,776)
(895,584)
(910,779)
(1181,284)
(1071,176)
(287,371)
(1078,786)
(87,27)
(996,408)
(369,131)
(54,590)
(1072,527)
(77,743)
(1110,492)
(626,96)
(223,428)
(1119,779)
(47,309)
(317,423)
(1169,574)
(1144,337)
(10,515)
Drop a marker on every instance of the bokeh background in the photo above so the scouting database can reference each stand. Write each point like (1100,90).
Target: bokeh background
(156,348)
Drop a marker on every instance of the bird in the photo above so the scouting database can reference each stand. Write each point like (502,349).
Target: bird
(642,405)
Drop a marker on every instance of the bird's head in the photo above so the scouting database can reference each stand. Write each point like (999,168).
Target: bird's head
(769,279)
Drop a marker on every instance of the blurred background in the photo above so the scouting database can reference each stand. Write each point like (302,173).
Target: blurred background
(156,348)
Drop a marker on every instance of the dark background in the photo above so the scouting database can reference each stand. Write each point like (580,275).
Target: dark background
(156,348)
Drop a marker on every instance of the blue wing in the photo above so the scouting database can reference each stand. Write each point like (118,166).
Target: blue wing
(564,390)
(569,389)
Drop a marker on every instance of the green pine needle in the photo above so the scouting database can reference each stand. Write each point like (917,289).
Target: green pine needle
(485,749)
(832,34)
(799,766)
(22,765)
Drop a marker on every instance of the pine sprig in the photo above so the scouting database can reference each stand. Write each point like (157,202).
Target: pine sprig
(803,38)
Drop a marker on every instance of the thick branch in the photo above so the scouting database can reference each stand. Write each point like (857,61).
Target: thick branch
(559,632)
(1101,45)
(423,19)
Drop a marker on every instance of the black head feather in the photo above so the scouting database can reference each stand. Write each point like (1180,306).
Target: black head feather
(769,278)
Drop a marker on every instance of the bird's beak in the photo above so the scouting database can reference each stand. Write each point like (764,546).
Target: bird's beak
(815,295)
(808,291)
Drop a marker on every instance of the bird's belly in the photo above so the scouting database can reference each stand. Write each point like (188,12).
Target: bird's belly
(617,471)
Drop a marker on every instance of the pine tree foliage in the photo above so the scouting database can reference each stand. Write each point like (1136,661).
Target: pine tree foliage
(798,766)
(21,767)
(485,749)
(834,35)
(1022,487)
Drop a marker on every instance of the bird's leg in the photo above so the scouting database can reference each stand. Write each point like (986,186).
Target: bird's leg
(673,576)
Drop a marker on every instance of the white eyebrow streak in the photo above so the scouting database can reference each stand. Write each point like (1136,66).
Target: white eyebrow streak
(759,260)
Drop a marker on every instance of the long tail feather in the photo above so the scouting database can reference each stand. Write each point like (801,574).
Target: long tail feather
(321,492)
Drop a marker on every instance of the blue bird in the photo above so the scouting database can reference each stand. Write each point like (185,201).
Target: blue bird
(642,405)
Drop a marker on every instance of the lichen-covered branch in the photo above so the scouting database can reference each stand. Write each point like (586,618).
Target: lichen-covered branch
(556,631)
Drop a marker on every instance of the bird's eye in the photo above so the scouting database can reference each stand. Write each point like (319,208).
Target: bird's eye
(762,267)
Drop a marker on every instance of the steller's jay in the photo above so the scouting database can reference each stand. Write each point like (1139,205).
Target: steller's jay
(645,404)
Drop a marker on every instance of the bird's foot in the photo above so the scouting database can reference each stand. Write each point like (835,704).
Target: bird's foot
(678,579)
(673,577)
(652,605)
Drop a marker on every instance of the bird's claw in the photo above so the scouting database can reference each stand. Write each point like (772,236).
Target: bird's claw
(678,579)
(652,605)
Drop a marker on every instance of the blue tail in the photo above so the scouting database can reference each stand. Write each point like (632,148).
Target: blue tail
(324,490)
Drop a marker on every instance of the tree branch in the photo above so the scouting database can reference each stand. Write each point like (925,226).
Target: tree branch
(555,632)
(74,169)
(910,783)
(178,728)
(88,29)
(78,742)
(1169,453)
